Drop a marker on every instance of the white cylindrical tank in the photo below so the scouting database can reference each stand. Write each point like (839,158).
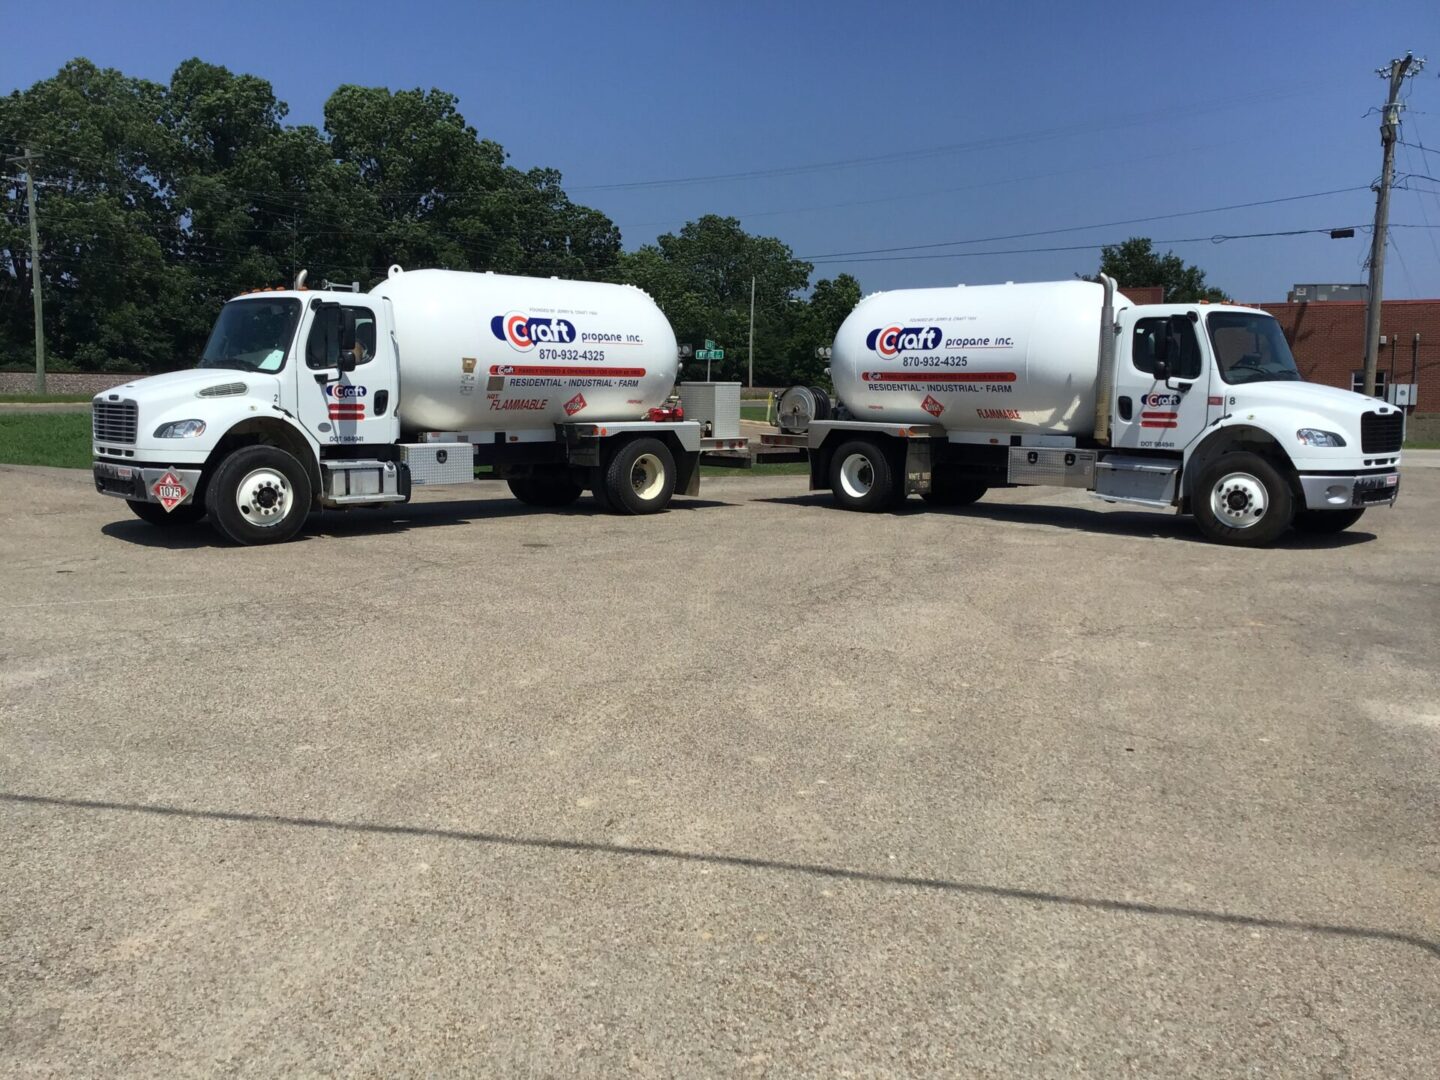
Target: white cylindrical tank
(491,352)
(1008,359)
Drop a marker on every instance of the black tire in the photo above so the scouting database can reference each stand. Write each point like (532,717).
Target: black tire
(155,514)
(640,477)
(1326,522)
(546,489)
(277,503)
(862,477)
(948,489)
(1239,483)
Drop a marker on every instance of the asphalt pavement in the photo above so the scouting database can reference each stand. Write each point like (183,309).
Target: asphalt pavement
(753,787)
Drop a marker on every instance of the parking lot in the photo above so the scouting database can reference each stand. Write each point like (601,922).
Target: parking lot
(753,786)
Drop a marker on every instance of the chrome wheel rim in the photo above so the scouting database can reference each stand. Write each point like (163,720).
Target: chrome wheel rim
(647,476)
(264,497)
(857,476)
(1239,500)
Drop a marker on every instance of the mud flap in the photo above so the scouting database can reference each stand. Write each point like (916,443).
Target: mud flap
(917,466)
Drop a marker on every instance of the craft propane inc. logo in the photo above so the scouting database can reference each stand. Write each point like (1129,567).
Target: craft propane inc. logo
(891,341)
(523,332)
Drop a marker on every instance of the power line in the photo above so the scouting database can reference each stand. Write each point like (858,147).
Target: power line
(1424,213)
(1093,127)
(1082,228)
(1219,238)
(908,195)
(1134,120)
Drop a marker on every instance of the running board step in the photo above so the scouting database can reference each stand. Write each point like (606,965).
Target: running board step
(1140,480)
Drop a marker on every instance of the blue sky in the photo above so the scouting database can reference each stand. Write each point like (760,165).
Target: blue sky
(990,120)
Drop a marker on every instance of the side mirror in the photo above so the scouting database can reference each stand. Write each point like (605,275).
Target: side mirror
(346,360)
(347,329)
(1162,370)
(1161,346)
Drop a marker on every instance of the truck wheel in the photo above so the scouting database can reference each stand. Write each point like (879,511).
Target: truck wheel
(1326,522)
(1242,499)
(546,490)
(155,514)
(862,477)
(640,477)
(259,495)
(951,490)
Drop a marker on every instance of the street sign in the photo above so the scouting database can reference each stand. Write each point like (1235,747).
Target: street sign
(710,354)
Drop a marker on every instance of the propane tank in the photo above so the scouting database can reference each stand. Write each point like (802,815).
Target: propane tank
(493,352)
(1008,359)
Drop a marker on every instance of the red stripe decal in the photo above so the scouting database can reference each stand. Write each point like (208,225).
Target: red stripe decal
(1159,423)
(569,372)
(1158,415)
(938,376)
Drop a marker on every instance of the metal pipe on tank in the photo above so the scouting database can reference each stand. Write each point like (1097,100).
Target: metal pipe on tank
(1105,383)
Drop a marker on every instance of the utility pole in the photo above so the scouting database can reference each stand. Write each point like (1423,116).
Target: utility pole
(750,382)
(1389,128)
(28,159)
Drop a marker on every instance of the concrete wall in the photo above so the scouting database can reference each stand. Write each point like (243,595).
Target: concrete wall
(62,382)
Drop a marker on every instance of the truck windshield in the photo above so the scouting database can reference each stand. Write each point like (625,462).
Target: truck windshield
(252,335)
(1250,348)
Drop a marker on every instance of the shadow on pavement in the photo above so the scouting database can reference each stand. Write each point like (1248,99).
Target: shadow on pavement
(584,847)
(173,537)
(379,520)
(1139,524)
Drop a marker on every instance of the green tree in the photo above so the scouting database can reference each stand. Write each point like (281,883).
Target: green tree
(1135,262)
(158,202)
(111,282)
(445,197)
(831,301)
(701,278)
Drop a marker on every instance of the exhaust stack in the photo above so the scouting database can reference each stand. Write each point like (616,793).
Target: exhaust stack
(1105,383)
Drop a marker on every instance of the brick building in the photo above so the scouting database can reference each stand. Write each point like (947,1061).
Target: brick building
(1328,340)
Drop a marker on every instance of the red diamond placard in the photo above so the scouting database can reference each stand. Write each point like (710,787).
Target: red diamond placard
(933,407)
(169,490)
(575,404)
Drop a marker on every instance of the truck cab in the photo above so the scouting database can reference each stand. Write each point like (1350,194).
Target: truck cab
(285,376)
(1206,381)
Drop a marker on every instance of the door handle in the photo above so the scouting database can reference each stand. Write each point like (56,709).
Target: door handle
(1127,407)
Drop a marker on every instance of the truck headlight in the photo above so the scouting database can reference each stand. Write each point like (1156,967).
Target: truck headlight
(180,429)
(1315,437)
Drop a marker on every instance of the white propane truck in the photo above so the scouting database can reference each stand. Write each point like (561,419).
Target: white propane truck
(948,392)
(336,398)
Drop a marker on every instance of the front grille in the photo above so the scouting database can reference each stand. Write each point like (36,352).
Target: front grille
(1382,433)
(114,421)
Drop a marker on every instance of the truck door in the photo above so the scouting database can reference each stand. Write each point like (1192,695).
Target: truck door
(348,407)
(1150,413)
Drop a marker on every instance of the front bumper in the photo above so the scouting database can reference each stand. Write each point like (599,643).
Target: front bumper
(1350,492)
(146,483)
